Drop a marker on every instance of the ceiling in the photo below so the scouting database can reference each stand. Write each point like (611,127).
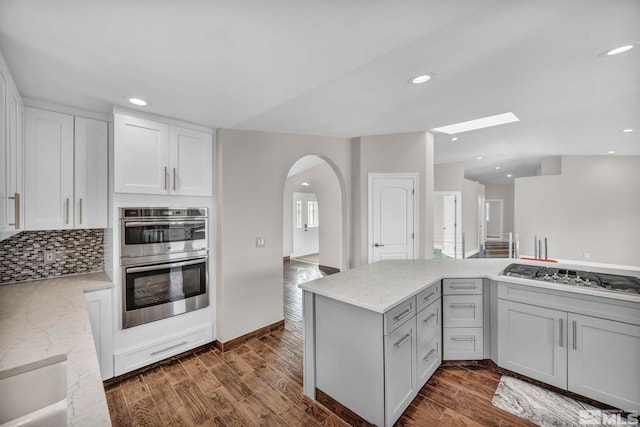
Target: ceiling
(341,68)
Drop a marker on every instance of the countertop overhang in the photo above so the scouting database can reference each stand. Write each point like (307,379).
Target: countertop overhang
(45,319)
(382,285)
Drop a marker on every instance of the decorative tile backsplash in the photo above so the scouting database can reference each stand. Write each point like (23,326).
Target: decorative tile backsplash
(75,251)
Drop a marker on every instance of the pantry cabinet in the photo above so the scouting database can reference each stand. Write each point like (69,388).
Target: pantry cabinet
(152,157)
(586,345)
(65,171)
(11,154)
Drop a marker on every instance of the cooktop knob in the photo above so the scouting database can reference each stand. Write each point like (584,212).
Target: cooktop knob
(555,276)
(547,277)
(578,279)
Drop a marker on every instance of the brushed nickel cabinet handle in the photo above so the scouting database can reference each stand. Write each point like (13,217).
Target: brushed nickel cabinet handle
(403,314)
(428,297)
(169,348)
(561,332)
(430,355)
(174,179)
(166,175)
(428,319)
(16,222)
(462,338)
(404,339)
(575,335)
(462,286)
(67,203)
(80,210)
(463,305)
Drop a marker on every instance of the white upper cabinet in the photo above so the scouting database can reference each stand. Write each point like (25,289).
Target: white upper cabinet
(11,145)
(191,159)
(91,152)
(157,158)
(48,170)
(141,151)
(65,171)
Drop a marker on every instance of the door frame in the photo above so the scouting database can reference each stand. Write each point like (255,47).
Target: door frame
(416,235)
(501,203)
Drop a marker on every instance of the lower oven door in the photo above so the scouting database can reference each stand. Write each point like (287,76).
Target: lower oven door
(156,291)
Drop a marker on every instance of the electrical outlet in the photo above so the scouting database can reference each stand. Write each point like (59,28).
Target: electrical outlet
(49,256)
(586,255)
(260,243)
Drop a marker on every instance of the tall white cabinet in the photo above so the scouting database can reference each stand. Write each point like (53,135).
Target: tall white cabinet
(152,157)
(11,153)
(65,171)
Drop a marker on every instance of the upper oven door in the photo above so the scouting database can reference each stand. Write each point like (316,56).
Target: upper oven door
(162,236)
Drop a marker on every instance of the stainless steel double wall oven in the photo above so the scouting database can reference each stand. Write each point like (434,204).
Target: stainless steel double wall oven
(164,258)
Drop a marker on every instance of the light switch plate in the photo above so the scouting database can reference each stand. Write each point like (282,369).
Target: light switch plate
(260,243)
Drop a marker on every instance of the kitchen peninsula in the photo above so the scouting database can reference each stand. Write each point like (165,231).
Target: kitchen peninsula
(369,342)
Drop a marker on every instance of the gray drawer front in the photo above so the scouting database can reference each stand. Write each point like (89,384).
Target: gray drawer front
(399,314)
(429,320)
(461,286)
(462,311)
(463,343)
(428,296)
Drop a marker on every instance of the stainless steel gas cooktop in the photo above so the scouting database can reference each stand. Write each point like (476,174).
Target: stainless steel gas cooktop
(580,278)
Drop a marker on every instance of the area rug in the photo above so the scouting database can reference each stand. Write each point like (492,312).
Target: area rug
(546,408)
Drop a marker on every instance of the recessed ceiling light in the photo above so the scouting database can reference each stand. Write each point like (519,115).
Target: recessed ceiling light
(423,78)
(620,49)
(139,102)
(479,158)
(306,184)
(611,152)
(627,130)
(455,138)
(484,122)
(508,175)
(497,167)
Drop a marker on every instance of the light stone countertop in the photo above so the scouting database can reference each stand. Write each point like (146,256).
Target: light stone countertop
(381,286)
(47,318)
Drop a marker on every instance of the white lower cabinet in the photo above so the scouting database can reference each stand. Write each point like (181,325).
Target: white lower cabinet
(463,319)
(592,356)
(101,317)
(372,363)
(400,369)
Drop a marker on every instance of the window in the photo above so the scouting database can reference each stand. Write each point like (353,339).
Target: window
(299,214)
(312,214)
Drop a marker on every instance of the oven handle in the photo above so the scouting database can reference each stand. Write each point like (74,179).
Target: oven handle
(160,266)
(144,223)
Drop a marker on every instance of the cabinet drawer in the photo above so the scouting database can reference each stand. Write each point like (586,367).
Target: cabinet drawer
(429,358)
(462,343)
(428,296)
(461,286)
(399,314)
(462,311)
(159,350)
(429,320)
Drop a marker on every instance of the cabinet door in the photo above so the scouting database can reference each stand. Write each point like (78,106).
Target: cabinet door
(48,170)
(141,156)
(91,173)
(604,360)
(533,341)
(100,316)
(399,370)
(4,159)
(191,168)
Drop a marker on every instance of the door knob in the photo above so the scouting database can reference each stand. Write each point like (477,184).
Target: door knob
(378,245)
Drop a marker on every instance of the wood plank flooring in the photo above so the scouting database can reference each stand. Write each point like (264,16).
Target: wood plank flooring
(260,384)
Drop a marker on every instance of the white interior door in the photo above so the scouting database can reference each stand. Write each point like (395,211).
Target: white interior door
(392,213)
(306,225)
(494,219)
(449,225)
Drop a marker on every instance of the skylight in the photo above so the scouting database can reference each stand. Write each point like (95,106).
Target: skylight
(484,122)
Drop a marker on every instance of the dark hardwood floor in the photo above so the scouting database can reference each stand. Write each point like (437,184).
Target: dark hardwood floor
(260,383)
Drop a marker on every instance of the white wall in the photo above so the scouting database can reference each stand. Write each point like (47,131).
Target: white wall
(448,176)
(502,192)
(251,172)
(593,207)
(402,153)
(324,183)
